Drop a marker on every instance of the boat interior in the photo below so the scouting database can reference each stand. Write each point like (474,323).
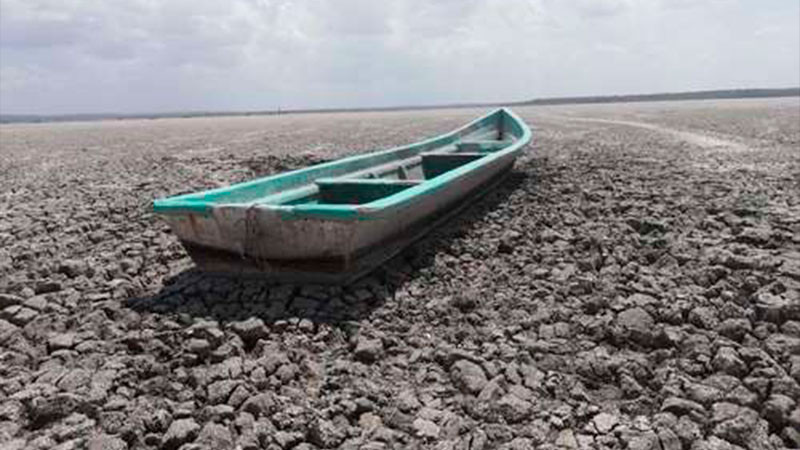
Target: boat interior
(373,183)
(363,179)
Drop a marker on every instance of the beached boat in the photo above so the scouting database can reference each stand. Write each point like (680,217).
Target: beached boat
(337,221)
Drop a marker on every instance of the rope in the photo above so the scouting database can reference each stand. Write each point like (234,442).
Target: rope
(250,231)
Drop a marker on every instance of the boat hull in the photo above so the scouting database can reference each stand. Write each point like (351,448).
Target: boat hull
(359,248)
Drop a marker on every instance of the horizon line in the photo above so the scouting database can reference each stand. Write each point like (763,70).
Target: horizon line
(586,99)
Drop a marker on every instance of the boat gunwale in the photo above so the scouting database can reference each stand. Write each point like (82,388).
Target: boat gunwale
(189,203)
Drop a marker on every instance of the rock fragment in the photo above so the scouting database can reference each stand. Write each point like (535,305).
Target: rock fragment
(106,442)
(368,350)
(72,268)
(215,436)
(777,409)
(324,434)
(727,360)
(9,300)
(636,325)
(61,341)
(775,308)
(250,330)
(180,432)
(262,404)
(468,376)
(426,429)
(605,422)
(513,409)
(680,406)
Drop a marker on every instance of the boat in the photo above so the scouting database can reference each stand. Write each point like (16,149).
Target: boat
(334,222)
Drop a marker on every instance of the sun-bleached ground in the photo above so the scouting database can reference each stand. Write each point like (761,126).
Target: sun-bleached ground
(635,283)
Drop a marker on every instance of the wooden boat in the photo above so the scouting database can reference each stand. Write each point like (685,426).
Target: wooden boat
(336,221)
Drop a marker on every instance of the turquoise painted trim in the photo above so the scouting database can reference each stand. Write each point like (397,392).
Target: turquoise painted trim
(251,192)
(289,195)
(368,181)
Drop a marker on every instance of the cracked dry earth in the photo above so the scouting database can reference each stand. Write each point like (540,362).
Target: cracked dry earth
(634,284)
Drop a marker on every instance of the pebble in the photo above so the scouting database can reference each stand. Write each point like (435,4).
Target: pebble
(703,317)
(727,360)
(735,329)
(9,300)
(468,376)
(180,432)
(263,404)
(604,422)
(369,421)
(566,439)
(22,316)
(250,330)
(106,442)
(368,350)
(46,287)
(681,406)
(778,408)
(426,429)
(635,324)
(325,434)
(215,436)
(219,391)
(514,409)
(61,341)
(7,331)
(72,268)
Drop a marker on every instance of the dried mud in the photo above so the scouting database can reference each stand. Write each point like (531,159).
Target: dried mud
(633,284)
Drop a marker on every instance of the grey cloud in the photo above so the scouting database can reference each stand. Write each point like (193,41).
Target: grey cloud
(139,55)
(169,32)
(353,17)
(603,8)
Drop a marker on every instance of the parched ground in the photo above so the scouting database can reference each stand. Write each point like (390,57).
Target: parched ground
(635,283)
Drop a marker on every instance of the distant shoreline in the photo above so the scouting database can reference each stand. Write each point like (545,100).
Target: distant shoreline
(669,96)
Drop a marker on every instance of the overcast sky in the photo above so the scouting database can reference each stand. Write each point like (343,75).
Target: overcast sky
(80,56)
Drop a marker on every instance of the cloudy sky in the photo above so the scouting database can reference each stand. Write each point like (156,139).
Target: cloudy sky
(81,56)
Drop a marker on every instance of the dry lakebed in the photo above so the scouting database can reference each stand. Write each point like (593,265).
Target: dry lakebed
(633,284)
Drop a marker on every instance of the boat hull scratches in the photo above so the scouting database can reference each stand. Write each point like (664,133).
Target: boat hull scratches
(335,270)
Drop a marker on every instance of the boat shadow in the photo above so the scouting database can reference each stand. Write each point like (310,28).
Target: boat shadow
(193,294)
